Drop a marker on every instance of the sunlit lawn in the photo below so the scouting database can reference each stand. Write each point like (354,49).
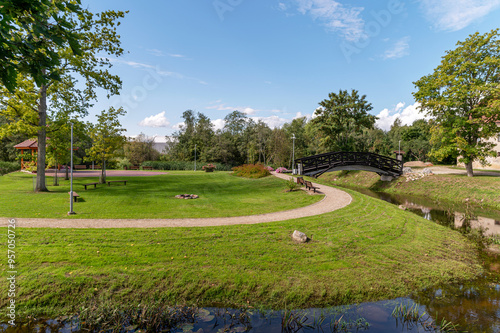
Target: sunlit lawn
(220,195)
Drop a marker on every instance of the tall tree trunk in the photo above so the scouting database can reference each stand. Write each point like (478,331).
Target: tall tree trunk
(55,176)
(468,167)
(66,176)
(102,179)
(42,137)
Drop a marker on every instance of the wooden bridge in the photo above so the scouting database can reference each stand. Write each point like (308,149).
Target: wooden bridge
(317,165)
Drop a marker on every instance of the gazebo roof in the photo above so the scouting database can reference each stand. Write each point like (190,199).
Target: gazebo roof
(30,143)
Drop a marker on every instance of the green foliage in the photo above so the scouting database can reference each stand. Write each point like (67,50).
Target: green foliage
(140,149)
(31,31)
(107,138)
(291,185)
(6,167)
(251,171)
(181,165)
(122,162)
(342,119)
(461,95)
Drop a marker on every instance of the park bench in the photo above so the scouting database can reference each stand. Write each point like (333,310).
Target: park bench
(116,181)
(75,195)
(310,186)
(97,167)
(300,180)
(134,167)
(79,167)
(147,168)
(85,185)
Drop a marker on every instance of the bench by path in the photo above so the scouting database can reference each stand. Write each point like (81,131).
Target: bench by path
(85,185)
(75,195)
(116,181)
(334,199)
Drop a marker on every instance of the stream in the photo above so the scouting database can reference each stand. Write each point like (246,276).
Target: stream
(471,307)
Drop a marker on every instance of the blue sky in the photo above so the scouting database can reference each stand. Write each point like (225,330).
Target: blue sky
(277,59)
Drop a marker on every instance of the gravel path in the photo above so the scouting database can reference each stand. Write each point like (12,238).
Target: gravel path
(334,199)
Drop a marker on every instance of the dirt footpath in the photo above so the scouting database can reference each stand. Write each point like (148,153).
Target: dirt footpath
(334,199)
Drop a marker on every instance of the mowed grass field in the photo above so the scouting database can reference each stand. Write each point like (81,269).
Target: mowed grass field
(153,197)
(369,250)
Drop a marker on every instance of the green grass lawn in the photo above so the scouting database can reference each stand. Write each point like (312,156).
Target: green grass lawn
(153,197)
(368,250)
(480,190)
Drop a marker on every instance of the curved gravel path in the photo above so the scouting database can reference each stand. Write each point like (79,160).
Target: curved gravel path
(334,199)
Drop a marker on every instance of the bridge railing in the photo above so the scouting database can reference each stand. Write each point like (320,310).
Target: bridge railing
(337,159)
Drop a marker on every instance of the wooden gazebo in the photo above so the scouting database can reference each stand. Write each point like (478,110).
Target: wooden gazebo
(28,145)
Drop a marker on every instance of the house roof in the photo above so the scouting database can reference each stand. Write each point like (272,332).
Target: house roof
(30,143)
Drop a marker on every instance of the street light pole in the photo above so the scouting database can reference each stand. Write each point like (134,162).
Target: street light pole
(293,154)
(71,212)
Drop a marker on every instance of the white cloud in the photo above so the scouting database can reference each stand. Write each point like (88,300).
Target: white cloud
(399,49)
(223,107)
(178,126)
(454,15)
(407,115)
(300,115)
(157,120)
(173,55)
(335,17)
(156,52)
(271,121)
(218,124)
(282,6)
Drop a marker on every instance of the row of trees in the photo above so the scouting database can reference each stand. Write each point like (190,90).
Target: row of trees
(342,124)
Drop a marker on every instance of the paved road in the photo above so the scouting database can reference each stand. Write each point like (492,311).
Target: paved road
(334,199)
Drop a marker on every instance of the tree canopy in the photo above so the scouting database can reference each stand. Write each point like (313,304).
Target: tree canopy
(461,95)
(342,118)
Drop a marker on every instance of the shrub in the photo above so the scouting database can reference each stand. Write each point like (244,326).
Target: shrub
(291,185)
(251,171)
(282,170)
(209,167)
(181,165)
(6,167)
(122,162)
(269,168)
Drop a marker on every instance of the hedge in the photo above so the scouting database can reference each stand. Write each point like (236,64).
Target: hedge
(180,165)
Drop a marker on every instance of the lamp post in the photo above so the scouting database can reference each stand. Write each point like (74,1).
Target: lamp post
(71,212)
(293,154)
(195,157)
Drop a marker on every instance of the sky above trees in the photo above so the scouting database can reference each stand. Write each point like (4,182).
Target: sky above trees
(275,60)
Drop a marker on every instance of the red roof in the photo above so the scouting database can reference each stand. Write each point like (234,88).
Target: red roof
(27,144)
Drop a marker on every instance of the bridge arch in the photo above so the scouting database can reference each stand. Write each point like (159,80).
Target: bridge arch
(317,165)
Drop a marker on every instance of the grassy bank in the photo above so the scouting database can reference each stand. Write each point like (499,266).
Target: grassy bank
(481,190)
(368,250)
(221,195)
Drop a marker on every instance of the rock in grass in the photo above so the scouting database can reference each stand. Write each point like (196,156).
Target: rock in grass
(299,236)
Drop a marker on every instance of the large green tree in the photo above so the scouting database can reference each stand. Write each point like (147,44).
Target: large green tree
(460,96)
(98,38)
(342,119)
(107,138)
(30,33)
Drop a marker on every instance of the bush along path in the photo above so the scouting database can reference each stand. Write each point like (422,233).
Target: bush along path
(334,199)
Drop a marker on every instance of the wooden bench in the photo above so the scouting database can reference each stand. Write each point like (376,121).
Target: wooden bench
(85,185)
(147,168)
(116,181)
(134,167)
(310,186)
(300,180)
(97,167)
(79,167)
(75,195)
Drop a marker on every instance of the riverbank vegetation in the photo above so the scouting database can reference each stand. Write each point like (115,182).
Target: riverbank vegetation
(220,195)
(480,190)
(368,250)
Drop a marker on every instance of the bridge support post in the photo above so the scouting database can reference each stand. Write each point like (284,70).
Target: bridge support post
(386,178)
